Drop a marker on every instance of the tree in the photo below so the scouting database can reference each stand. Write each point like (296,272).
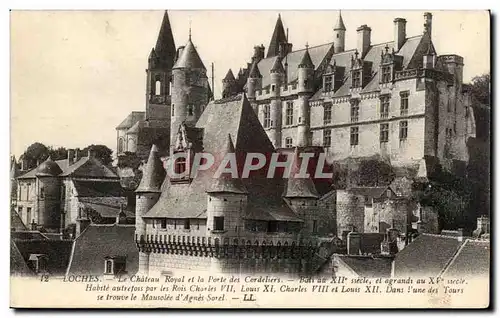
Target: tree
(373,173)
(481,88)
(34,154)
(58,153)
(101,152)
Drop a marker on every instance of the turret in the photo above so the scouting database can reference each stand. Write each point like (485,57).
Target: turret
(277,40)
(339,35)
(190,89)
(429,58)
(48,187)
(428,24)
(277,76)
(226,200)
(159,74)
(305,90)
(228,84)
(254,81)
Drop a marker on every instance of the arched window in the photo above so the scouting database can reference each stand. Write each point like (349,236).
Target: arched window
(190,110)
(157,88)
(180,165)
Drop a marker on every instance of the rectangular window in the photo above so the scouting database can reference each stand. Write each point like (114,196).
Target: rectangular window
(315,226)
(327,114)
(403,130)
(163,223)
(289,113)
(386,74)
(384,133)
(28,215)
(356,79)
(173,110)
(288,142)
(273,88)
(354,136)
(354,111)
(42,192)
(187,224)
(267,116)
(328,83)
(384,106)
(108,269)
(180,165)
(327,138)
(272,226)
(218,223)
(404,103)
(19,210)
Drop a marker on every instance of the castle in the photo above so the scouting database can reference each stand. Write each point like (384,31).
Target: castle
(398,100)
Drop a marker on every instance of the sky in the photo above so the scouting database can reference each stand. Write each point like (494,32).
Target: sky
(75,75)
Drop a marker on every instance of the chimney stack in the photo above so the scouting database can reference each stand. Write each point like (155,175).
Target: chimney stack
(428,23)
(399,33)
(258,53)
(364,39)
(90,153)
(353,242)
(78,154)
(460,234)
(71,156)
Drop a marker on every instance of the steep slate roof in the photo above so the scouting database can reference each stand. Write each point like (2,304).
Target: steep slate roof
(108,209)
(57,251)
(18,266)
(471,260)
(48,168)
(340,23)
(278,37)
(368,266)
(131,119)
(110,188)
(16,222)
(254,71)
(90,168)
(99,241)
(299,187)
(153,173)
(306,60)
(136,127)
(189,58)
(318,55)
(229,76)
(28,235)
(165,46)
(428,254)
(188,200)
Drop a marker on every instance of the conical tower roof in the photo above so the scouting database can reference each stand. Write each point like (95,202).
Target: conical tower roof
(189,58)
(229,76)
(299,187)
(254,71)
(48,168)
(153,173)
(340,23)
(277,66)
(278,37)
(165,45)
(306,61)
(225,183)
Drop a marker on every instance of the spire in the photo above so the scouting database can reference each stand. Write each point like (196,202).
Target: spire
(277,66)
(340,23)
(229,76)
(165,45)
(306,61)
(299,187)
(225,182)
(189,58)
(153,173)
(254,71)
(278,37)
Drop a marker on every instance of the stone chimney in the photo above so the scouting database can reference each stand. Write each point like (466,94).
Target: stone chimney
(71,156)
(258,53)
(364,39)
(78,154)
(428,23)
(399,33)
(483,226)
(24,164)
(353,242)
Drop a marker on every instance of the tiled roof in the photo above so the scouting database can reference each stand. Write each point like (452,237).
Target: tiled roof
(153,173)
(131,119)
(471,260)
(99,241)
(278,37)
(165,45)
(254,71)
(57,252)
(183,200)
(48,168)
(16,222)
(428,254)
(368,266)
(189,58)
(85,188)
(108,209)
(18,265)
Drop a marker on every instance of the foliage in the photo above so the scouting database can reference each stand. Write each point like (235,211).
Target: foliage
(101,152)
(34,154)
(481,88)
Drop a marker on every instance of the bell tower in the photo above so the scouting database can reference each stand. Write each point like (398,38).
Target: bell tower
(159,74)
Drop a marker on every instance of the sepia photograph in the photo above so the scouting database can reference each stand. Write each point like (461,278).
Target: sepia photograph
(250,159)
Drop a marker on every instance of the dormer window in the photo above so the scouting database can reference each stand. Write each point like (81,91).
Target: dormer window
(180,165)
(386,74)
(356,78)
(115,265)
(328,83)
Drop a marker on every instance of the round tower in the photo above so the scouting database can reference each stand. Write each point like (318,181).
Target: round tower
(305,90)
(277,75)
(228,83)
(339,35)
(48,187)
(189,90)
(147,194)
(254,81)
